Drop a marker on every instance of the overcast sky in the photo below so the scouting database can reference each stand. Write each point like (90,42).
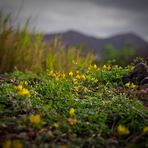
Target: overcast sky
(100,18)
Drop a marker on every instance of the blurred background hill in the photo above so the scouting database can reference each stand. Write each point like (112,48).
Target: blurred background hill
(105,48)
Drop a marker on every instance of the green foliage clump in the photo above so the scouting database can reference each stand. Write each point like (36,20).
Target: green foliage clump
(121,56)
(61,59)
(25,51)
(19,49)
(85,106)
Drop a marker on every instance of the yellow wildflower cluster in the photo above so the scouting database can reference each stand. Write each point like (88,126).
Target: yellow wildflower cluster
(71,111)
(35,119)
(94,80)
(130,85)
(77,71)
(12,144)
(70,73)
(106,67)
(72,120)
(22,91)
(24,83)
(90,67)
(81,77)
(77,76)
(75,81)
(74,62)
(145,129)
(76,88)
(93,67)
(57,75)
(122,130)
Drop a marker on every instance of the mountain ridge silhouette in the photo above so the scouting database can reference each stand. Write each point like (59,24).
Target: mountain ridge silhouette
(73,38)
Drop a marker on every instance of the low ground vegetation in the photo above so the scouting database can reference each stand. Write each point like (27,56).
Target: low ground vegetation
(86,107)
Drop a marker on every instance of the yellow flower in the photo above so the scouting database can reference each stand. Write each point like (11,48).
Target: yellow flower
(12,144)
(63,76)
(72,111)
(57,78)
(77,71)
(94,80)
(71,73)
(83,77)
(35,119)
(89,68)
(95,66)
(76,88)
(19,87)
(72,121)
(74,62)
(122,130)
(6,144)
(26,83)
(130,85)
(133,86)
(108,67)
(64,145)
(23,92)
(78,76)
(51,73)
(74,81)
(104,67)
(127,84)
(145,129)
(17,144)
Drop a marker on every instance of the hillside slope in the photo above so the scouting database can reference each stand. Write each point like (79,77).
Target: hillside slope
(73,38)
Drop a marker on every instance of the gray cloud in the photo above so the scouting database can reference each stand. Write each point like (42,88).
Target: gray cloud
(130,5)
(94,17)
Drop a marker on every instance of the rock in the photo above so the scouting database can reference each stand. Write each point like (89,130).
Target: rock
(143,87)
(140,68)
(126,78)
(139,73)
(7,79)
(2,77)
(138,76)
(144,81)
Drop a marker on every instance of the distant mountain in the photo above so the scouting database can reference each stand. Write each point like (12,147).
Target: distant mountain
(73,38)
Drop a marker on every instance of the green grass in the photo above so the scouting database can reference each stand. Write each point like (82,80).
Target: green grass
(24,50)
(100,99)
